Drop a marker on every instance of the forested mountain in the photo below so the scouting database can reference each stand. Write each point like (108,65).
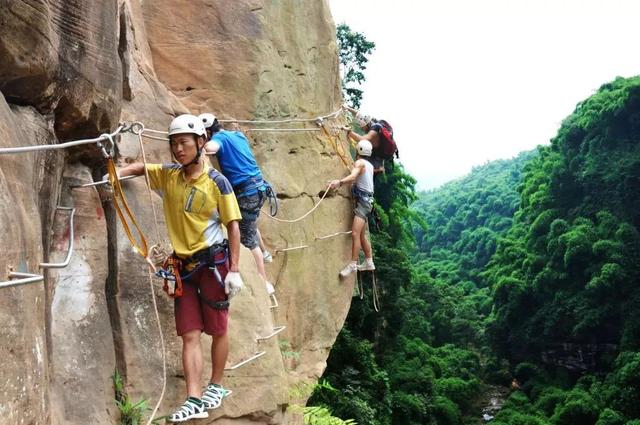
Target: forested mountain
(420,360)
(526,269)
(519,281)
(565,280)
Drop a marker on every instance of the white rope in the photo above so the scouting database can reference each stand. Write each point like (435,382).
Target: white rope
(148,136)
(155,248)
(283,130)
(151,130)
(25,149)
(280,220)
(164,359)
(290,120)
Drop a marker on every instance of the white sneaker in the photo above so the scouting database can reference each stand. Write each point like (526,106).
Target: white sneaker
(189,410)
(267,257)
(367,265)
(270,289)
(348,269)
(213,395)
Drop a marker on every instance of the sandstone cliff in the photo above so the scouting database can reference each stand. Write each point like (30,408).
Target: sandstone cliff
(72,69)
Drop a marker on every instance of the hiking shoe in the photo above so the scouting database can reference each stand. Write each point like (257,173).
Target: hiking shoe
(267,257)
(270,289)
(212,396)
(189,410)
(349,268)
(367,265)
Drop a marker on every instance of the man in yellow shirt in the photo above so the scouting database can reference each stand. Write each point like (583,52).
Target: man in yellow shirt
(197,201)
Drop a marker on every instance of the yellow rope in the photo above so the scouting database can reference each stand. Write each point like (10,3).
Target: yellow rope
(120,202)
(334,145)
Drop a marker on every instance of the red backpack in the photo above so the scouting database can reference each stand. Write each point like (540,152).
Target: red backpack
(388,147)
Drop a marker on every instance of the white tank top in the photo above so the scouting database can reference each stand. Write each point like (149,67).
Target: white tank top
(364,181)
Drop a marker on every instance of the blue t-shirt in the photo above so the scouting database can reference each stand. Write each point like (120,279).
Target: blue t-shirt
(236,160)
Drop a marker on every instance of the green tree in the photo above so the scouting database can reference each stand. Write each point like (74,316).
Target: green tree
(354,54)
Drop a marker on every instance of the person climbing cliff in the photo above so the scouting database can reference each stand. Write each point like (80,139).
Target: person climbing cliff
(239,165)
(197,201)
(362,192)
(379,133)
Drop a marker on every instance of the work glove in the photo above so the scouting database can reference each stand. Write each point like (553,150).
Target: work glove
(106,177)
(232,284)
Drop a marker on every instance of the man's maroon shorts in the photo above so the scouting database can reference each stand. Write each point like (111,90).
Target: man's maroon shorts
(193,313)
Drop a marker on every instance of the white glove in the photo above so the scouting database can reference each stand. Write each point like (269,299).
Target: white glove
(106,177)
(232,284)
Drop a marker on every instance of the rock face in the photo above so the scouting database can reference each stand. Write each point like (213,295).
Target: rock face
(72,70)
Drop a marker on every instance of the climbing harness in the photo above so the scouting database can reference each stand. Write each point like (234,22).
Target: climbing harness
(362,195)
(273,200)
(172,269)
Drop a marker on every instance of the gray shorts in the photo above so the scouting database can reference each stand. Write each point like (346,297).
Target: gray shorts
(250,210)
(362,209)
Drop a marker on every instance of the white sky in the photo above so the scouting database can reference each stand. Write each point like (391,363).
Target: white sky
(466,81)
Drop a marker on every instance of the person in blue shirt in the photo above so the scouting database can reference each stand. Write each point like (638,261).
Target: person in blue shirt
(239,166)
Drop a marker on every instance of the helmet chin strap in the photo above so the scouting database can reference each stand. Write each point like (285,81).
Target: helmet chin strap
(195,160)
(197,157)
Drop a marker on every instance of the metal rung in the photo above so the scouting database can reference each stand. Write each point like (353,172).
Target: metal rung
(244,362)
(292,248)
(98,183)
(319,238)
(275,332)
(274,301)
(65,263)
(25,278)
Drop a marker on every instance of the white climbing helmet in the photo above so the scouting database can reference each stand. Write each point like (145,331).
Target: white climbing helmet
(362,120)
(207,119)
(364,148)
(187,123)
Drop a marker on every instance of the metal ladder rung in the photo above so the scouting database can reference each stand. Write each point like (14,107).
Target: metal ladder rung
(293,248)
(65,263)
(101,182)
(25,278)
(244,362)
(275,332)
(274,301)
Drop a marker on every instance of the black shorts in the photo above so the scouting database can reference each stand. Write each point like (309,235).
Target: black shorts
(250,206)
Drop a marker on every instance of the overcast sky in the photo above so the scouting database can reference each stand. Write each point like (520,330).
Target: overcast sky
(466,81)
